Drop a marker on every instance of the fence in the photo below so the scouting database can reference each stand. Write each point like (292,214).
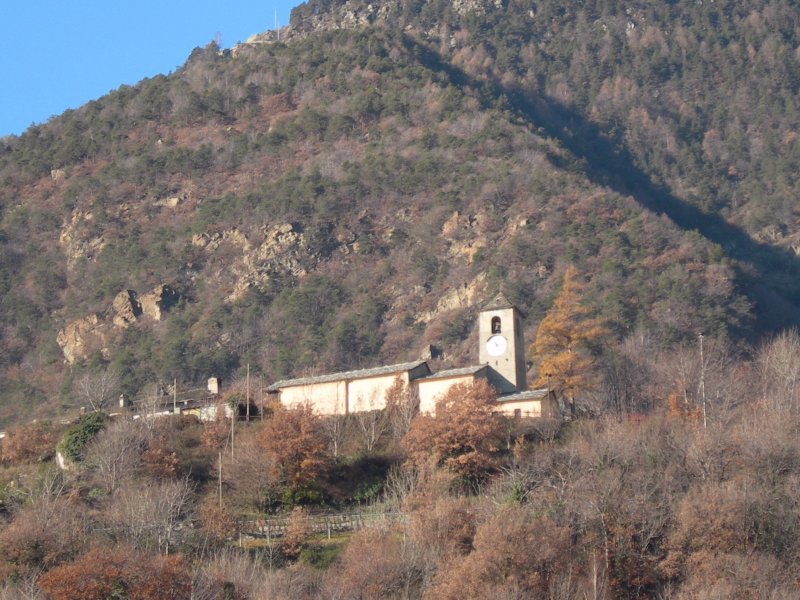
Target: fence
(327,524)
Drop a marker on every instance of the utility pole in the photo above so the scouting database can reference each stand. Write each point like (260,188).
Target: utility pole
(703,382)
(247,395)
(219,469)
(175,396)
(156,390)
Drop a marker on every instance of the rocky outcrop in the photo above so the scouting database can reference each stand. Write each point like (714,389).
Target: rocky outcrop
(159,301)
(126,308)
(173,201)
(83,337)
(478,7)
(77,241)
(353,14)
(463,233)
(212,241)
(349,15)
(280,251)
(462,296)
(779,235)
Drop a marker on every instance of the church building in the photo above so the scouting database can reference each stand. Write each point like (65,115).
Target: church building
(502,363)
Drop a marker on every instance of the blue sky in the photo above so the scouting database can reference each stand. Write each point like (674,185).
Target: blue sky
(57,54)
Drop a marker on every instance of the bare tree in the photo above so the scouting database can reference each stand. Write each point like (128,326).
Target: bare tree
(335,429)
(402,404)
(719,380)
(250,476)
(116,452)
(149,402)
(372,424)
(24,588)
(98,388)
(149,515)
(228,566)
(626,372)
(779,369)
(401,482)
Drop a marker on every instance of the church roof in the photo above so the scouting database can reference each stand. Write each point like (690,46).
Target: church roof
(456,372)
(524,395)
(500,302)
(349,375)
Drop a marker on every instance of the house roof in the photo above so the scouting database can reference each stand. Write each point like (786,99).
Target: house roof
(349,375)
(524,395)
(456,372)
(500,302)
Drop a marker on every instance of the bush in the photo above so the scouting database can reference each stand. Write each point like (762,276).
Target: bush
(29,443)
(75,440)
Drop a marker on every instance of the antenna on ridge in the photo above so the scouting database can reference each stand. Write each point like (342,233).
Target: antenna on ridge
(277,29)
(218,39)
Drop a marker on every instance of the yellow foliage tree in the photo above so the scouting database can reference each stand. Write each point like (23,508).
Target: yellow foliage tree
(564,341)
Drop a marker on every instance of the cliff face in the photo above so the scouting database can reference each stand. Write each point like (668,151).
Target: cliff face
(352,192)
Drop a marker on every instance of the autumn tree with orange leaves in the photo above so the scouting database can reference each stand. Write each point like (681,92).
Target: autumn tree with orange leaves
(295,444)
(465,436)
(118,573)
(566,340)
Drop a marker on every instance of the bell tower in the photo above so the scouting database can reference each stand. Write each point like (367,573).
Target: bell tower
(502,346)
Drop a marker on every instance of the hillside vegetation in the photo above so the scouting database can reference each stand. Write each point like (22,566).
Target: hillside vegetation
(346,195)
(354,192)
(696,501)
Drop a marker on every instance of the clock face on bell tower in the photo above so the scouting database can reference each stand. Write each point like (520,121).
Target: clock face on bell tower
(496,345)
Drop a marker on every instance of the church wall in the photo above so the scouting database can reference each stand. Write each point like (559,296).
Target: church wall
(370,393)
(528,408)
(328,398)
(430,390)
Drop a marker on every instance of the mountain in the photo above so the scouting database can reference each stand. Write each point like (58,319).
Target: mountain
(351,188)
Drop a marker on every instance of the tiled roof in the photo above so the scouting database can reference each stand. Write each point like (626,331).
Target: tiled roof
(524,395)
(455,372)
(359,374)
(500,302)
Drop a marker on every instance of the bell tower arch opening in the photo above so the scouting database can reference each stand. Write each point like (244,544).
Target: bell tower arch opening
(497,326)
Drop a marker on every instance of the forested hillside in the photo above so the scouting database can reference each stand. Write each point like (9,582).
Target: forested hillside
(352,192)
(695,501)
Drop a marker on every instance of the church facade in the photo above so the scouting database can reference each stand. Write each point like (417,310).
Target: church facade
(502,363)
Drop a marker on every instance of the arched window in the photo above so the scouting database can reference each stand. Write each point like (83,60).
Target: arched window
(496,325)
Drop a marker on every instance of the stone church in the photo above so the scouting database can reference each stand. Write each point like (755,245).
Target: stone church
(502,362)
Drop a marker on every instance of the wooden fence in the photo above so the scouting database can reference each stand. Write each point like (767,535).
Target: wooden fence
(275,527)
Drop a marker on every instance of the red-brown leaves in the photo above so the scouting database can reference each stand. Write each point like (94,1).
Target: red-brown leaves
(120,572)
(294,439)
(465,434)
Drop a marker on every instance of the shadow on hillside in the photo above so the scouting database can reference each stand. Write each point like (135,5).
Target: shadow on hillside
(768,275)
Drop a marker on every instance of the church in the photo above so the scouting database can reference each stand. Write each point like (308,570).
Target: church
(502,363)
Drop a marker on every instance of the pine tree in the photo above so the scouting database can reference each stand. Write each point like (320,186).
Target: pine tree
(563,349)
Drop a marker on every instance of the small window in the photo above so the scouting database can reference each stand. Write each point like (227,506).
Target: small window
(496,328)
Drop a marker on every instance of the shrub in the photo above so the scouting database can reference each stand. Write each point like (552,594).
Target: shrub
(118,573)
(28,443)
(75,440)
